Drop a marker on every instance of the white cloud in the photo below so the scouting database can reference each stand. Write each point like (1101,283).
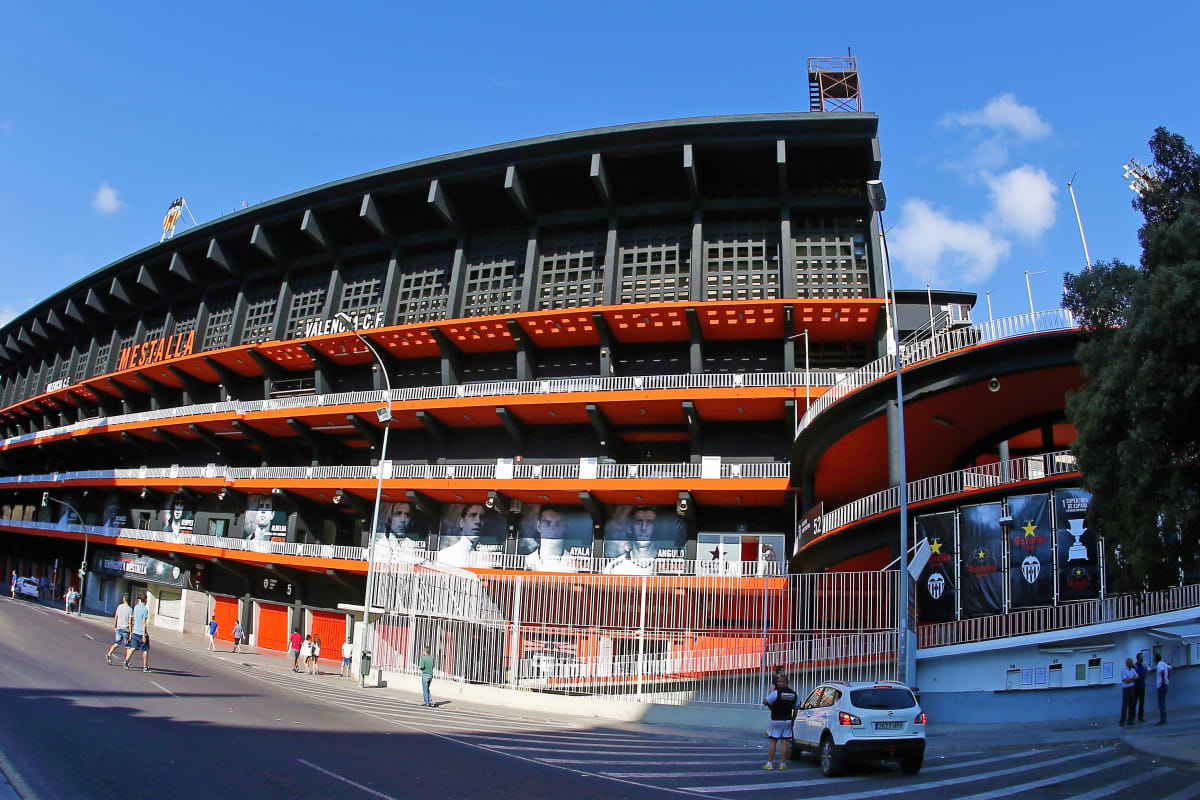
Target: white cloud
(1022,201)
(932,246)
(1003,114)
(107,199)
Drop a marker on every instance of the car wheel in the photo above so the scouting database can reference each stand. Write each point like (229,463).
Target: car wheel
(831,758)
(912,764)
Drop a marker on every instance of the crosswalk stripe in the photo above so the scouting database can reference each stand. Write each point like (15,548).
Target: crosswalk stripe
(641,762)
(622,750)
(881,792)
(1186,793)
(1105,791)
(1025,787)
(731,773)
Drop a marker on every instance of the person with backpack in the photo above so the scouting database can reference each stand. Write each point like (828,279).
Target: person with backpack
(783,704)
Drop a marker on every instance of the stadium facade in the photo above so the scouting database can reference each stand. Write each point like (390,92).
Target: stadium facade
(643,440)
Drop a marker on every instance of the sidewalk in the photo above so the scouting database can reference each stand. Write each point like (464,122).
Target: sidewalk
(1178,740)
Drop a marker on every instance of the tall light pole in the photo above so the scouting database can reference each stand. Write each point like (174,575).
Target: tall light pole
(906,657)
(807,378)
(989,299)
(1086,257)
(1029,291)
(385,416)
(83,566)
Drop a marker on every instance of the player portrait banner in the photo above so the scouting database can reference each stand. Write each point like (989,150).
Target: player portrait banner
(177,517)
(1030,551)
(1078,550)
(114,513)
(644,540)
(980,578)
(555,538)
(936,589)
(472,535)
(266,519)
(403,529)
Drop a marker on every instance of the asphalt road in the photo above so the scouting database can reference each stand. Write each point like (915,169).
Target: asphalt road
(204,725)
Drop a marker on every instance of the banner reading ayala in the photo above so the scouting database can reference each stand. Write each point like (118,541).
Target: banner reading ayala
(555,538)
(1030,560)
(265,520)
(936,594)
(981,582)
(1078,553)
(643,540)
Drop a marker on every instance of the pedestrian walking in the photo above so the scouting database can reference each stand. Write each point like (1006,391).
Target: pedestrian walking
(347,655)
(13,585)
(121,619)
(426,676)
(294,642)
(69,599)
(306,652)
(1162,673)
(238,633)
(316,654)
(212,633)
(139,634)
(782,702)
(1128,693)
(1139,687)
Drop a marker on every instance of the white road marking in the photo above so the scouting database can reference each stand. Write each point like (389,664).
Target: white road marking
(1024,787)
(757,759)
(335,776)
(940,768)
(1105,791)
(93,638)
(165,689)
(1186,793)
(624,749)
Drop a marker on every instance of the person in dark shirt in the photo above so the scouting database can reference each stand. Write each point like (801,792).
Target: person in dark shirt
(1139,687)
(782,702)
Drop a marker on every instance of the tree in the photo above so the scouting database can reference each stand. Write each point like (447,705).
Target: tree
(1137,414)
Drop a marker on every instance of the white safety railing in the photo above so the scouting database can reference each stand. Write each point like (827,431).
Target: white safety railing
(988,476)
(642,639)
(1061,617)
(943,344)
(393,471)
(792,380)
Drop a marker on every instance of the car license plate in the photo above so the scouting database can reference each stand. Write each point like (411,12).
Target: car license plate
(888,726)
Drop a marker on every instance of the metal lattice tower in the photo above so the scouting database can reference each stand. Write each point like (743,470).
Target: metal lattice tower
(833,84)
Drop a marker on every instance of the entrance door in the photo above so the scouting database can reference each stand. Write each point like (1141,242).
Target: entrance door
(273,627)
(331,626)
(225,609)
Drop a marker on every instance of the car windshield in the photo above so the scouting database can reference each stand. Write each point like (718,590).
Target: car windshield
(882,698)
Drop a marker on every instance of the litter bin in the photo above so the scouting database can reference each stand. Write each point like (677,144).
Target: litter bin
(364,664)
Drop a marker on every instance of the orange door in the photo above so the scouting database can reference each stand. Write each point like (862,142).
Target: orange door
(225,609)
(331,627)
(272,626)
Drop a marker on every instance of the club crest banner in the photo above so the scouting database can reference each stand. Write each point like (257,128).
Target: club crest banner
(936,589)
(981,581)
(1078,550)
(1031,552)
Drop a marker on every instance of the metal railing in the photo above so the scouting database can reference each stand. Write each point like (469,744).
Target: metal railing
(943,344)
(816,377)
(1061,617)
(642,639)
(988,476)
(393,471)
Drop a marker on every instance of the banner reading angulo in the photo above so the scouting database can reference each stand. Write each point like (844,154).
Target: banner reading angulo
(138,568)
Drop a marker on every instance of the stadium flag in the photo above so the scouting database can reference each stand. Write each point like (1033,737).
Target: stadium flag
(171,218)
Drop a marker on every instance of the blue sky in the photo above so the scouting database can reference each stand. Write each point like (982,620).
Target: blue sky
(107,113)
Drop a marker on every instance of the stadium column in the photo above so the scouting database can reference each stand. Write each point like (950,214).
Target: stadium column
(787,251)
(391,289)
(238,319)
(283,310)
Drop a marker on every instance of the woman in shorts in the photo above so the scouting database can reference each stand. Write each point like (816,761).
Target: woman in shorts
(316,653)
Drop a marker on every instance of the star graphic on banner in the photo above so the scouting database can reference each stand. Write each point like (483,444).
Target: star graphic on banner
(982,554)
(715,552)
(1029,528)
(935,546)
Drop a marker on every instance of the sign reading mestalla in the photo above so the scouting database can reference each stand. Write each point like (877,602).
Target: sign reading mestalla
(138,568)
(160,349)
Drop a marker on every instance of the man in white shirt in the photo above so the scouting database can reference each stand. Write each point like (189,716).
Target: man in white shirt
(1128,693)
(1162,673)
(120,627)
(347,654)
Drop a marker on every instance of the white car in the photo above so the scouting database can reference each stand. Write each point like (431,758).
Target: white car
(843,721)
(28,587)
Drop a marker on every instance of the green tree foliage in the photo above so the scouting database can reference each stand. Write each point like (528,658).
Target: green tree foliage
(1137,414)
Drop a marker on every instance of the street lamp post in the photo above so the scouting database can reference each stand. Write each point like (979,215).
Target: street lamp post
(905,670)
(385,416)
(83,566)
(1029,291)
